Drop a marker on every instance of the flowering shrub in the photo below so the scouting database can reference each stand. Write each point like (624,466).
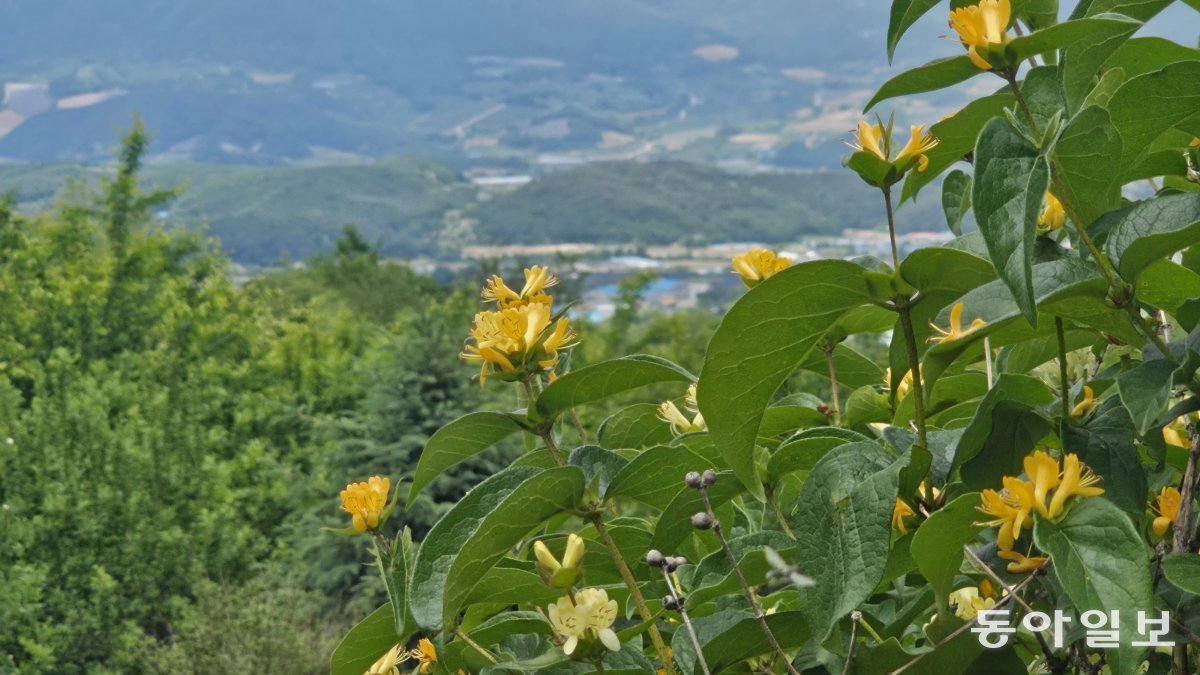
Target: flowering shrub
(1043,460)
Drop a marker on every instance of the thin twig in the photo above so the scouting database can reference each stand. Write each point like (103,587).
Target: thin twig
(476,646)
(855,617)
(759,616)
(987,359)
(578,427)
(687,623)
(891,221)
(914,367)
(1050,657)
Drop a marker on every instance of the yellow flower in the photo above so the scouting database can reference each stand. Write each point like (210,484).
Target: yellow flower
(570,621)
(921,142)
(537,279)
(1195,143)
(1004,516)
(1077,479)
(903,387)
(981,27)
(871,138)
(425,654)
(1086,405)
(1176,433)
(1042,470)
(1022,564)
(1052,216)
(956,330)
(601,613)
(1020,495)
(388,663)
(680,424)
(759,264)
(1167,509)
(365,502)
(900,511)
(552,570)
(505,340)
(968,601)
(689,399)
(986,590)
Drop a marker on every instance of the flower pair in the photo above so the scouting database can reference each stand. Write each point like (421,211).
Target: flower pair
(584,615)
(388,664)
(874,160)
(681,423)
(564,573)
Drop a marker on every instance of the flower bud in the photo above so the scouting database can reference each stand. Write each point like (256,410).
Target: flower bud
(692,479)
(545,557)
(702,521)
(654,558)
(708,478)
(574,552)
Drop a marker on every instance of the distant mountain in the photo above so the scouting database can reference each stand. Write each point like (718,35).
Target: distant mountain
(474,82)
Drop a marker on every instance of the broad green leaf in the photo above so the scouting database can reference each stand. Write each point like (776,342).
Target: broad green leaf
(511,586)
(762,338)
(1029,354)
(1106,444)
(800,455)
(1043,94)
(865,405)
(607,378)
(842,520)
(1102,93)
(365,643)
(458,441)
(656,476)
(1101,563)
(1183,570)
(956,199)
(904,14)
(1011,178)
(853,369)
(1145,391)
(674,525)
(1142,55)
(598,465)
(637,426)
(932,76)
(1086,36)
(938,543)
(1088,157)
(956,138)
(874,170)
(1006,427)
(1082,60)
(714,577)
(1173,93)
(477,531)
(785,419)
(1167,285)
(498,627)
(730,637)
(1152,230)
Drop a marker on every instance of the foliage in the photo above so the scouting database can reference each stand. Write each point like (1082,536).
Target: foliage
(1031,446)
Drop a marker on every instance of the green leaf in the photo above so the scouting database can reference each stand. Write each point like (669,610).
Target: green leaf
(1043,94)
(1183,570)
(598,464)
(956,199)
(842,520)
(853,369)
(1172,93)
(478,530)
(938,544)
(1153,229)
(871,168)
(932,76)
(607,378)
(674,525)
(1006,427)
(637,426)
(365,643)
(956,138)
(762,338)
(714,577)
(458,441)
(785,419)
(800,455)
(495,629)
(1083,59)
(1168,285)
(1102,564)
(656,476)
(512,586)
(1142,55)
(904,14)
(397,578)
(1011,178)
(730,637)
(1088,156)
(1106,444)
(1088,37)
(1145,391)
(865,405)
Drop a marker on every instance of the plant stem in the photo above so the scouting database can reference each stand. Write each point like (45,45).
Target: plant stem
(837,410)
(987,359)
(746,590)
(687,623)
(855,618)
(773,502)
(548,438)
(475,645)
(914,367)
(1187,493)
(1150,332)
(578,427)
(656,638)
(1064,383)
(891,221)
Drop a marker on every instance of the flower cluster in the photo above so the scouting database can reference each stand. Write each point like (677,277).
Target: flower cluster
(585,615)
(983,30)
(425,655)
(681,423)
(759,264)
(1013,507)
(366,502)
(520,337)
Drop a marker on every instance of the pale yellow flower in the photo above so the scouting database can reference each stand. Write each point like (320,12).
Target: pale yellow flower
(921,142)
(870,138)
(680,424)
(968,601)
(601,614)
(425,654)
(903,387)
(900,511)
(759,264)
(388,664)
(1166,509)
(689,399)
(1086,405)
(572,555)
(1176,433)
(366,502)
(1053,214)
(956,331)
(1077,479)
(982,27)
